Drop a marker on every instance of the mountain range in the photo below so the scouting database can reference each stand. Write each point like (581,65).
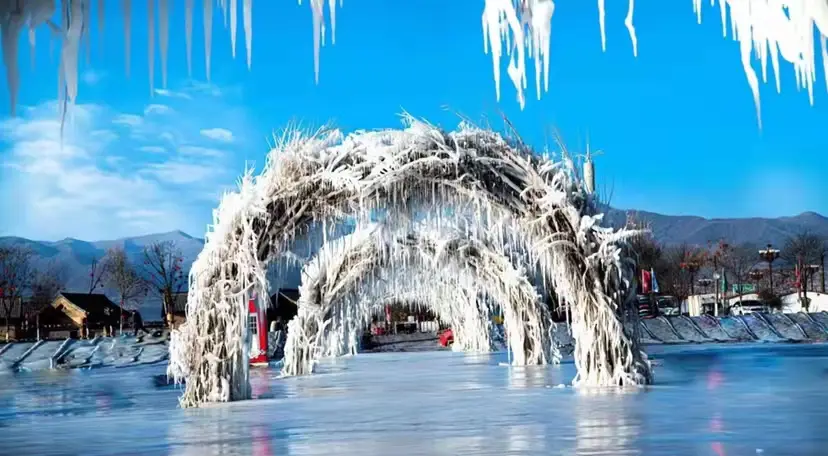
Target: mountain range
(77,256)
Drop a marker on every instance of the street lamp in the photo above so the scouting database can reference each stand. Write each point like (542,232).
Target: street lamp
(769,255)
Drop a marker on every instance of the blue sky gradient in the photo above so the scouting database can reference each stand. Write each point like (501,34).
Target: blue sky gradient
(677,124)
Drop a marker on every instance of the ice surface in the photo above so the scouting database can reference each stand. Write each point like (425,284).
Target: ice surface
(736,329)
(812,329)
(786,327)
(821,318)
(711,327)
(661,329)
(760,328)
(688,331)
(710,400)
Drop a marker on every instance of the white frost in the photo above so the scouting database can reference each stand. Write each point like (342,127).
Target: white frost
(523,205)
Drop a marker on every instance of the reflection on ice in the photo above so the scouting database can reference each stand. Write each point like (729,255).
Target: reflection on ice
(708,401)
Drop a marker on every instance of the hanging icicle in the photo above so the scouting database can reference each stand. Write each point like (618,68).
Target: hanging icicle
(151,44)
(164,37)
(248,30)
(208,35)
(188,34)
(233,24)
(127,10)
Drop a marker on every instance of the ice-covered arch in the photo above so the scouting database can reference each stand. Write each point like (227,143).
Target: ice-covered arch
(337,287)
(522,199)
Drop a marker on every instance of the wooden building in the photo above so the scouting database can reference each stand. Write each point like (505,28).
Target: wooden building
(94,310)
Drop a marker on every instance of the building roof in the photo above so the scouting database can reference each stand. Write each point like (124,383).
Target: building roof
(49,316)
(97,306)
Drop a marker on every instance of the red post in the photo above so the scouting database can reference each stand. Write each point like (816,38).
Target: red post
(258,331)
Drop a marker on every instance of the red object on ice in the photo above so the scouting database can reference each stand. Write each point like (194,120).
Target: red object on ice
(447,338)
(259,357)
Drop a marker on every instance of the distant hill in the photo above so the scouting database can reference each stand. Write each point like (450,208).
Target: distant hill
(78,255)
(676,229)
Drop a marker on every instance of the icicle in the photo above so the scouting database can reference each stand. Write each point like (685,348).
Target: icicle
(602,24)
(248,30)
(164,36)
(824,57)
(74,26)
(233,23)
(10,29)
(208,35)
(188,34)
(332,10)
(101,19)
(32,46)
(87,24)
(318,33)
(127,7)
(628,21)
(151,44)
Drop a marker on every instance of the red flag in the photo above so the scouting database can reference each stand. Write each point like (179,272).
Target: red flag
(646,281)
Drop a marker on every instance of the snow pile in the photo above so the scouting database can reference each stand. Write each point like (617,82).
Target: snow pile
(462,279)
(520,203)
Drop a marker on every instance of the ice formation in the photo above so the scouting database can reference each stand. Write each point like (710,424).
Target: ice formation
(518,29)
(462,279)
(522,202)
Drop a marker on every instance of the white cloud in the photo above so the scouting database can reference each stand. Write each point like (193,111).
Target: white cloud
(218,134)
(114,174)
(172,94)
(157,109)
(92,77)
(152,149)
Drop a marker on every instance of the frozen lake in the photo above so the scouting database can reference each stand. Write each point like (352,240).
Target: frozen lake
(709,400)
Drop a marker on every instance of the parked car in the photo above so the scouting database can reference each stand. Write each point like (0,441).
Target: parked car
(749,306)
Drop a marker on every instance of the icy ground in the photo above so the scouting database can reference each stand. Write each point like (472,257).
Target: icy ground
(731,399)
(122,351)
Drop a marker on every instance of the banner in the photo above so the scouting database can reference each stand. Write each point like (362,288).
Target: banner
(646,282)
(655,282)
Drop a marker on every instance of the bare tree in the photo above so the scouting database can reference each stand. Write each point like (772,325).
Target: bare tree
(738,262)
(47,282)
(15,277)
(123,278)
(803,249)
(163,263)
(97,274)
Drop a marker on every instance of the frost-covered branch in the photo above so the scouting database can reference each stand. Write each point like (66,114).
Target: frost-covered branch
(522,202)
(454,274)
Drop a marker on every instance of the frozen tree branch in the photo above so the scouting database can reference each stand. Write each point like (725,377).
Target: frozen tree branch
(520,201)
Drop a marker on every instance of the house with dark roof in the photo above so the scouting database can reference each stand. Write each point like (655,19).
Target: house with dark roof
(96,309)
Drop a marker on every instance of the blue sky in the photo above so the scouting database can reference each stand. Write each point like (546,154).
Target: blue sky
(677,124)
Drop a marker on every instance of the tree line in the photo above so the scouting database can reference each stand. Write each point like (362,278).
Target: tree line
(37,284)
(684,269)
